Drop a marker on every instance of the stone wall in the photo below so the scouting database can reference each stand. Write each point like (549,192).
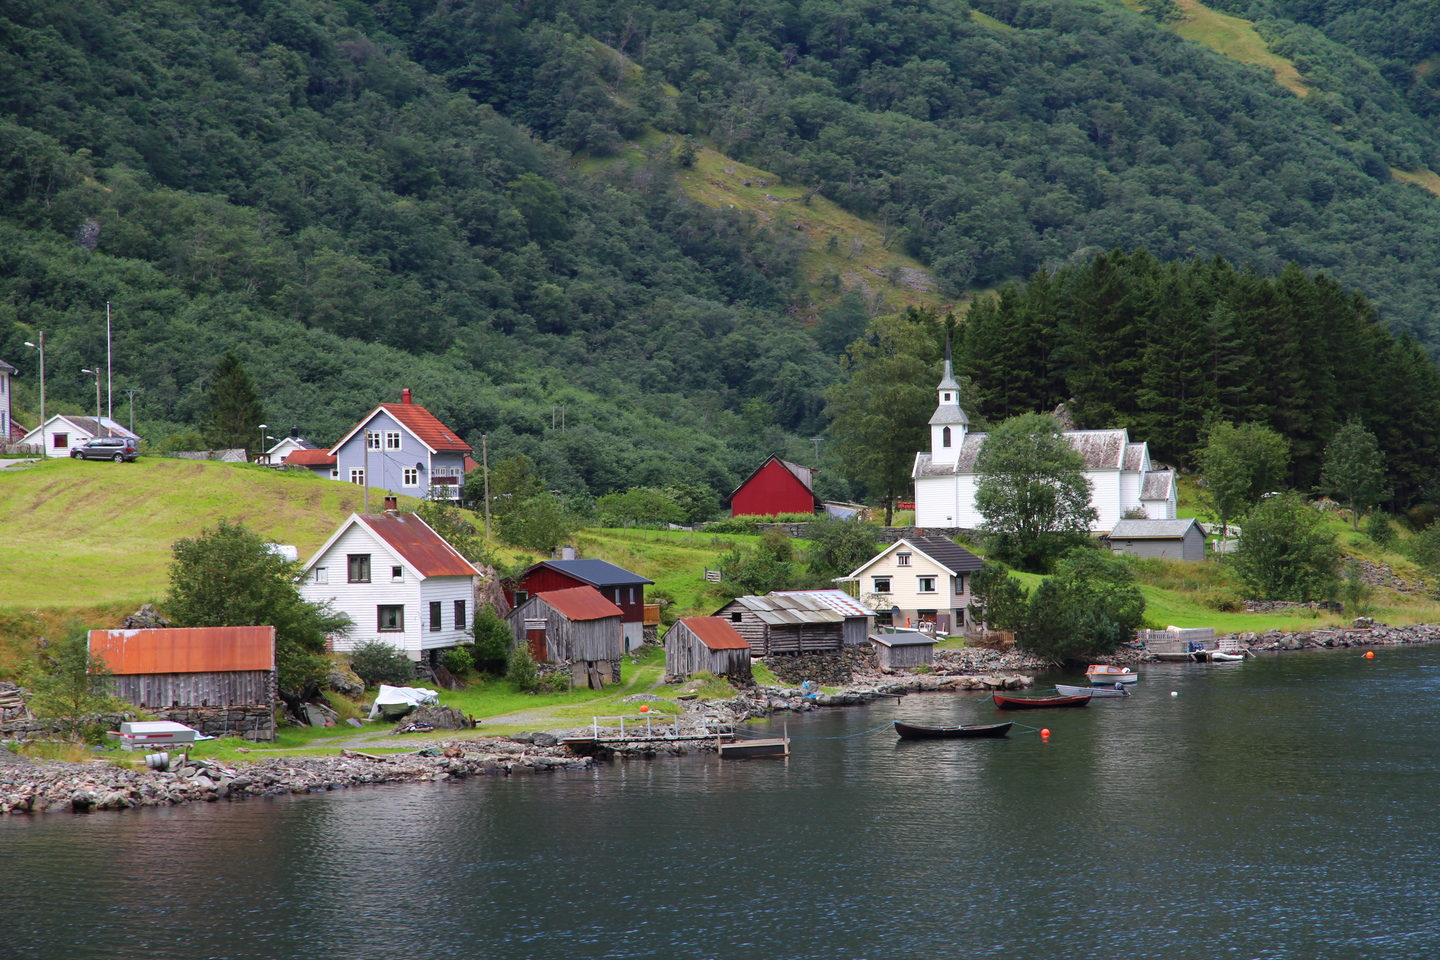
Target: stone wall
(247,721)
(1269,606)
(801,531)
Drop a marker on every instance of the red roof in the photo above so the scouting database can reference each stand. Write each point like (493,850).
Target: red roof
(470,465)
(185,649)
(422,548)
(423,424)
(715,632)
(582,603)
(311,458)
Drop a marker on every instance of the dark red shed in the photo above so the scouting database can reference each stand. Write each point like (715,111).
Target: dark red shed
(777,487)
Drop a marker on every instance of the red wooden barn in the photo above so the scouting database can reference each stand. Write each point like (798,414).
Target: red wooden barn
(777,487)
(621,587)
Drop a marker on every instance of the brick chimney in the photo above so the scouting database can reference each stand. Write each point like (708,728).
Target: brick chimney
(405,396)
(392,504)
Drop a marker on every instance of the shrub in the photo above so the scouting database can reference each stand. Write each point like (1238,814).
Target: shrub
(460,659)
(520,669)
(377,662)
(1378,529)
(493,640)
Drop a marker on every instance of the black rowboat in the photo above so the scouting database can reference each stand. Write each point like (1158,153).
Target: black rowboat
(911,731)
(1037,703)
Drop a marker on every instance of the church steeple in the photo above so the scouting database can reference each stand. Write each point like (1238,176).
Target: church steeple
(948,425)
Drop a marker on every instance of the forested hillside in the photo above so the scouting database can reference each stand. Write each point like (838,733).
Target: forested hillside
(360,196)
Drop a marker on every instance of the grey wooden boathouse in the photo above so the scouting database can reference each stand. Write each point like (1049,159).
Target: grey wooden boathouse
(785,624)
(706,643)
(578,627)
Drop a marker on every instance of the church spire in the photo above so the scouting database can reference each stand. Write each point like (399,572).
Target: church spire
(948,381)
(948,425)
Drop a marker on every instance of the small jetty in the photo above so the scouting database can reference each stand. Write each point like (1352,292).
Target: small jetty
(1190,645)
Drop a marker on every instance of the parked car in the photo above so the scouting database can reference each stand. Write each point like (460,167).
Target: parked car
(118,449)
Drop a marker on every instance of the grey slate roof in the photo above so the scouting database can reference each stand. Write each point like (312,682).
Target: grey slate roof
(1153,529)
(1134,456)
(947,553)
(906,638)
(597,573)
(1157,485)
(948,413)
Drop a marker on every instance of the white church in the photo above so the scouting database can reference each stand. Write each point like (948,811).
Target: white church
(1120,473)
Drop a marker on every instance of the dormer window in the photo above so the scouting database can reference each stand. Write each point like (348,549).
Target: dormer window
(945,437)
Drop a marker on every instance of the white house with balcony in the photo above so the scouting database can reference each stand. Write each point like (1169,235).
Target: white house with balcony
(398,580)
(921,582)
(1122,478)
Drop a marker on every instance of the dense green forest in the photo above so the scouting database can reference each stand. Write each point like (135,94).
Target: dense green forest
(357,197)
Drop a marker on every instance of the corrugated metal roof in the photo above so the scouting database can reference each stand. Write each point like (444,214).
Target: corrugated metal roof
(185,649)
(803,474)
(1153,529)
(837,600)
(596,572)
(777,610)
(312,458)
(424,425)
(715,632)
(424,549)
(581,603)
(906,639)
(1157,486)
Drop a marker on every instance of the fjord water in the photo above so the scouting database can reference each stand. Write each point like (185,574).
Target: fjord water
(1283,807)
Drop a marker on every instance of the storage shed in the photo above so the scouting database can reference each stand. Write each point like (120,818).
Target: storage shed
(218,680)
(1171,539)
(785,624)
(578,627)
(777,486)
(706,643)
(616,584)
(859,619)
(903,649)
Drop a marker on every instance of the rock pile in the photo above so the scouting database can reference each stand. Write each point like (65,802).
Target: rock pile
(39,786)
(1377,635)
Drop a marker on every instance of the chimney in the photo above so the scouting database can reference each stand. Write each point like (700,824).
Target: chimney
(405,396)
(392,504)
(567,553)
(294,433)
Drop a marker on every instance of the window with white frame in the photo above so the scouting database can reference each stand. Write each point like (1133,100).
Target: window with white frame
(334,473)
(357,476)
(372,439)
(411,477)
(392,439)
(925,584)
(903,559)
(882,584)
(321,575)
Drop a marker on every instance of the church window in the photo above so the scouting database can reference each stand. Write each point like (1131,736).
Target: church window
(947,398)
(945,437)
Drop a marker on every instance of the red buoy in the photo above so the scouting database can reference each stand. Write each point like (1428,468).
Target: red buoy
(1369,654)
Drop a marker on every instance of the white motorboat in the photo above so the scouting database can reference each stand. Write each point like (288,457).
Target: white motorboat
(1107,675)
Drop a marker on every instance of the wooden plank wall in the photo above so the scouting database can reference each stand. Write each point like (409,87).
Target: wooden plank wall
(197,689)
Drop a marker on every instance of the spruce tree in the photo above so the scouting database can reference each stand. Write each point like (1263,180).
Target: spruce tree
(235,414)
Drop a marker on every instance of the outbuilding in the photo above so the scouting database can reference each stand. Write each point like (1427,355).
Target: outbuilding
(620,586)
(903,649)
(785,624)
(706,643)
(1169,539)
(218,680)
(777,486)
(576,627)
(859,619)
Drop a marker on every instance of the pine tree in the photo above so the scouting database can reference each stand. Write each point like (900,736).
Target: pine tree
(235,414)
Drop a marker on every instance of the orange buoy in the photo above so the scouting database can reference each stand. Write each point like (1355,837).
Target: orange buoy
(1045,734)
(644,708)
(1369,654)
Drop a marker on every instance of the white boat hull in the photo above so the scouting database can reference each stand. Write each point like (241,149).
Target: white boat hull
(1099,679)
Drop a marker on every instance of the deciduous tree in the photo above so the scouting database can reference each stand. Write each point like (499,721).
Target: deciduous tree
(1286,553)
(1240,464)
(1354,470)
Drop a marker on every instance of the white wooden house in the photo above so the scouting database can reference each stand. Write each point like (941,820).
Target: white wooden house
(398,580)
(64,432)
(923,582)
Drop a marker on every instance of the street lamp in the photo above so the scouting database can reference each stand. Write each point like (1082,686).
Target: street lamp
(261,452)
(132,391)
(98,422)
(41,347)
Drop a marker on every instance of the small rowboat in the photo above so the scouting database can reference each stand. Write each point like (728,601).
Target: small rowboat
(1106,674)
(911,731)
(1219,656)
(1116,691)
(1038,703)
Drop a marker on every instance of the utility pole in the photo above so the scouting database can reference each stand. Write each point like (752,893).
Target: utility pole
(485,469)
(365,467)
(109,372)
(41,348)
(132,391)
(96,371)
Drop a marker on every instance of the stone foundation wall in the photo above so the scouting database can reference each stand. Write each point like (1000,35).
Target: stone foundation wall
(247,721)
(48,728)
(800,531)
(1267,606)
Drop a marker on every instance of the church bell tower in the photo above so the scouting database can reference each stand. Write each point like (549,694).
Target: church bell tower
(948,425)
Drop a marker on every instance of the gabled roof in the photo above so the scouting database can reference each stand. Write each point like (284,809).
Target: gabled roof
(1100,449)
(1154,529)
(715,632)
(776,610)
(1135,456)
(411,540)
(185,650)
(805,475)
(312,458)
(419,422)
(580,603)
(837,600)
(90,425)
(6,368)
(597,573)
(903,638)
(1158,485)
(954,558)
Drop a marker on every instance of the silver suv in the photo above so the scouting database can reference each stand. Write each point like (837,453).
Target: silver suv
(118,449)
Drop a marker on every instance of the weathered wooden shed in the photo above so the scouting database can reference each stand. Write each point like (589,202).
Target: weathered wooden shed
(1170,539)
(219,680)
(859,619)
(706,643)
(578,627)
(785,624)
(903,649)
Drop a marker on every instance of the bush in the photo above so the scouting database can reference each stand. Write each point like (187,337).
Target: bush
(520,669)
(460,659)
(1378,529)
(1286,553)
(493,640)
(377,662)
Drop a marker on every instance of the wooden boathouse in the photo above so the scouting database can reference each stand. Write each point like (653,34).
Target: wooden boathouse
(785,624)
(706,643)
(903,649)
(577,627)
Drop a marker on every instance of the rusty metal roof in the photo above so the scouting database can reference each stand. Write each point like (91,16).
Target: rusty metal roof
(715,632)
(312,458)
(837,600)
(777,610)
(185,649)
(581,603)
(424,549)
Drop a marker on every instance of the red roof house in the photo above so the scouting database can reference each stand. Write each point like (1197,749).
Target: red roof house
(778,486)
(576,626)
(616,584)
